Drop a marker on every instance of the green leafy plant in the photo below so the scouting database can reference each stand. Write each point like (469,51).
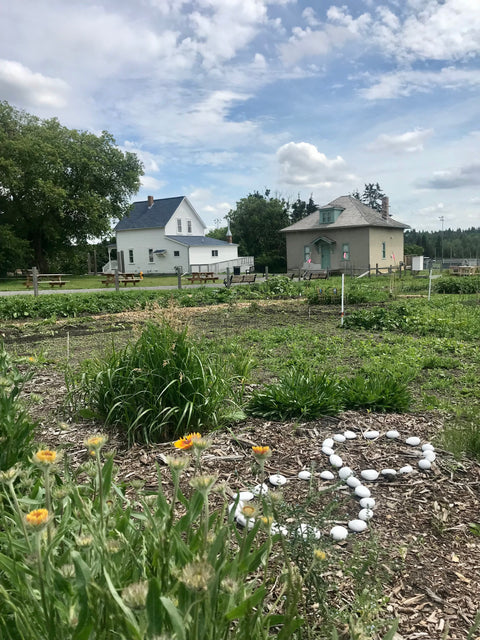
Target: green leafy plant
(376,391)
(156,388)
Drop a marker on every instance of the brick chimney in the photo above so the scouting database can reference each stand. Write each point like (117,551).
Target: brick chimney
(150,202)
(385,208)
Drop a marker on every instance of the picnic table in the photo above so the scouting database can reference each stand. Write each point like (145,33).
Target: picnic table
(201,277)
(54,279)
(247,278)
(123,278)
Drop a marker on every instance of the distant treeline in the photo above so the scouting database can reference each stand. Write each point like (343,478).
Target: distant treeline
(462,243)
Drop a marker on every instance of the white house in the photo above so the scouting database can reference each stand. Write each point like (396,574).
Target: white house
(158,236)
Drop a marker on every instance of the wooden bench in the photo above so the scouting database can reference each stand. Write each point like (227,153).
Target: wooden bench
(316,275)
(126,281)
(202,277)
(246,278)
(123,278)
(57,283)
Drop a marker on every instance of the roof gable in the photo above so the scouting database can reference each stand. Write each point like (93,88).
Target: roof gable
(141,216)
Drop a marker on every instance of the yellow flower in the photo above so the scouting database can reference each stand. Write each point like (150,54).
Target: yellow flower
(261,453)
(32,359)
(45,457)
(95,443)
(37,518)
(248,511)
(187,441)
(267,521)
(320,555)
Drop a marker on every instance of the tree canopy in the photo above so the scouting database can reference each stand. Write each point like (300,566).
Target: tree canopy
(372,195)
(60,187)
(255,224)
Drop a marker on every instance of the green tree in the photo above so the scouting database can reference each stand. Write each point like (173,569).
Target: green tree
(372,196)
(413,250)
(15,253)
(60,187)
(302,209)
(218,234)
(255,224)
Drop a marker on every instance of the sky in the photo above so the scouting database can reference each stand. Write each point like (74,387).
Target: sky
(221,98)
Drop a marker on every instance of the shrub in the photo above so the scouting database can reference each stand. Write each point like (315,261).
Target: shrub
(16,426)
(376,391)
(298,395)
(448,284)
(156,388)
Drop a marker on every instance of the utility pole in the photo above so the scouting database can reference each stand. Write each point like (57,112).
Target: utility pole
(442,218)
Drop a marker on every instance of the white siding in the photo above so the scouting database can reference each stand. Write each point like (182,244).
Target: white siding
(185,212)
(141,240)
(203,255)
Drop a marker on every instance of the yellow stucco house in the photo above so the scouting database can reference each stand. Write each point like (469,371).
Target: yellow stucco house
(345,236)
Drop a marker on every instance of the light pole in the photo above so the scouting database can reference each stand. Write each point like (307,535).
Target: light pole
(442,218)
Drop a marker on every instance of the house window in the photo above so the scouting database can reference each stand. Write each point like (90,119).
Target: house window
(150,255)
(130,256)
(214,253)
(176,254)
(384,250)
(189,226)
(306,253)
(345,251)
(179,225)
(327,217)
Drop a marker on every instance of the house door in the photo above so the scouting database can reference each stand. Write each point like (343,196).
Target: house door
(325,256)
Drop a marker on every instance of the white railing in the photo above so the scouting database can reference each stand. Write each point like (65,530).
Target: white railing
(110,266)
(245,263)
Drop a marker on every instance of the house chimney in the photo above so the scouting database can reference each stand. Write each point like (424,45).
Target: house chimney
(229,233)
(150,202)
(385,207)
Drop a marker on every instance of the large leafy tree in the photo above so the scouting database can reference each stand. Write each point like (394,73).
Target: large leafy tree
(60,187)
(302,209)
(372,195)
(255,224)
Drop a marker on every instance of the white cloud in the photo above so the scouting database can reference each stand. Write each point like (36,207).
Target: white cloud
(303,164)
(405,83)
(19,84)
(153,184)
(408,142)
(310,17)
(464,176)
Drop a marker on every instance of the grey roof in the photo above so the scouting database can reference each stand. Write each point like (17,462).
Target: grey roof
(354,214)
(199,241)
(143,217)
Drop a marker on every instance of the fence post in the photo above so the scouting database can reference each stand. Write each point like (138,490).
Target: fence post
(228,278)
(266,273)
(35,281)
(117,281)
(369,270)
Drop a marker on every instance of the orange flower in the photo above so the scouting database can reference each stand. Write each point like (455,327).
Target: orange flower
(45,457)
(187,441)
(261,453)
(37,518)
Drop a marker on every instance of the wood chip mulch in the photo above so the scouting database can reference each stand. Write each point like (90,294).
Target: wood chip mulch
(422,520)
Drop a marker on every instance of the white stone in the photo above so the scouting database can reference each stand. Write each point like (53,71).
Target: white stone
(362,491)
(239,506)
(392,434)
(357,525)
(277,479)
(350,435)
(244,496)
(339,437)
(424,464)
(371,435)
(306,531)
(413,441)
(328,451)
(367,503)
(388,473)
(338,533)
(243,521)
(260,489)
(336,461)
(365,514)
(305,475)
(369,474)
(428,447)
(406,469)
(344,473)
(328,442)
(278,528)
(353,482)
(429,455)
(327,475)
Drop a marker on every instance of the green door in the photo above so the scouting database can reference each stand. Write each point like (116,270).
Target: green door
(325,255)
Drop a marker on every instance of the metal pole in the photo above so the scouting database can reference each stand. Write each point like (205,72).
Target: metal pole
(35,281)
(342,304)
(430,284)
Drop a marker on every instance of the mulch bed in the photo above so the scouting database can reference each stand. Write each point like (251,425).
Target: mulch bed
(421,519)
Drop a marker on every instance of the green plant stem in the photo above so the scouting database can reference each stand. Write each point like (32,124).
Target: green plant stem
(20,514)
(41,581)
(100,490)
(48,501)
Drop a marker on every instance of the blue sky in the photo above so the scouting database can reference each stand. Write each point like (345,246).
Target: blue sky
(223,97)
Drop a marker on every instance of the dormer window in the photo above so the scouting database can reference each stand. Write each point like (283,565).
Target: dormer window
(189,226)
(328,215)
(179,225)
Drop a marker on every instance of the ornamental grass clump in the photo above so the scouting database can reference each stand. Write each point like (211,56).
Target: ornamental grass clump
(155,389)
(377,391)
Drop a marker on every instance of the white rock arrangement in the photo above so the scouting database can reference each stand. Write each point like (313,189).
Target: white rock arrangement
(347,475)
